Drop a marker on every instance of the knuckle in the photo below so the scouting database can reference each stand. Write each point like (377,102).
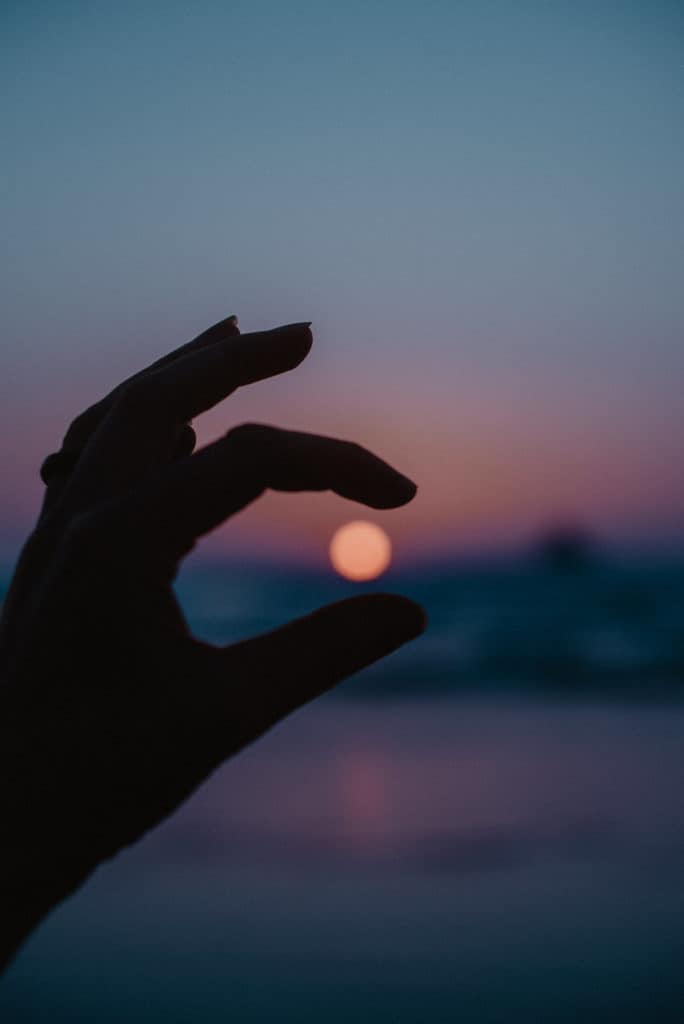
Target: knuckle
(249,435)
(353,449)
(136,394)
(81,428)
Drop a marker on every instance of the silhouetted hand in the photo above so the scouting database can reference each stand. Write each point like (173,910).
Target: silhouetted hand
(112,713)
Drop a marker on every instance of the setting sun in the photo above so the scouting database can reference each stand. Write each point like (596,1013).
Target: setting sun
(360,551)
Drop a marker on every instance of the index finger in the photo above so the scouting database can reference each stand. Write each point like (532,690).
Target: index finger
(85,424)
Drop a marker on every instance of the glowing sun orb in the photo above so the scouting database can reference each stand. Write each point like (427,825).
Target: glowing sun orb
(360,550)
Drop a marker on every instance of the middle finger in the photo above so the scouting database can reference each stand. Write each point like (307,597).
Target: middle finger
(139,432)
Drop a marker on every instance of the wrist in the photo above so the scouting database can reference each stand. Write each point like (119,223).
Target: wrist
(41,859)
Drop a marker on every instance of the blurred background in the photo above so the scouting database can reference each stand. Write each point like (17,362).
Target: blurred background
(479,206)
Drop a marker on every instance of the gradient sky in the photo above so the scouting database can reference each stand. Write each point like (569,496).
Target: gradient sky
(479,204)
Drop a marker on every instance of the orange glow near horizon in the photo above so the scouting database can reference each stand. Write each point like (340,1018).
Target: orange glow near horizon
(360,551)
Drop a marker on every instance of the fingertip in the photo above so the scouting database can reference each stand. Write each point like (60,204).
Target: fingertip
(388,489)
(398,491)
(300,339)
(186,439)
(226,328)
(405,618)
(287,346)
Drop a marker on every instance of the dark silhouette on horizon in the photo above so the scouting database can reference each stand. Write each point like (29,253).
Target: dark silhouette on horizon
(566,548)
(112,713)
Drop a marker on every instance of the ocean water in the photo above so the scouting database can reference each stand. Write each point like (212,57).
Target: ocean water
(461,835)
(610,629)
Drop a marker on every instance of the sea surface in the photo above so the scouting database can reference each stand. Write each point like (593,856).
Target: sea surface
(489,827)
(610,628)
